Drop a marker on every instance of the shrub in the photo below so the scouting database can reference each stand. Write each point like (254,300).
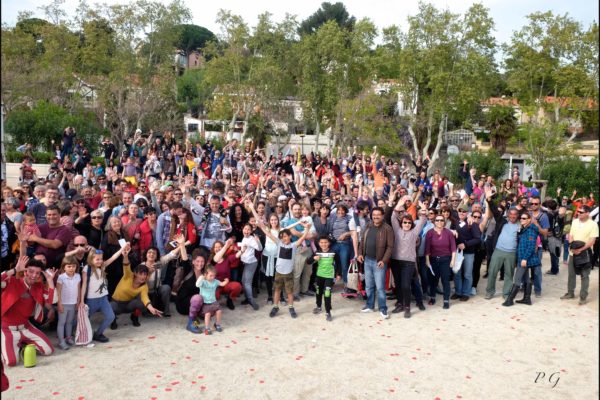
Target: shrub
(489,163)
(570,173)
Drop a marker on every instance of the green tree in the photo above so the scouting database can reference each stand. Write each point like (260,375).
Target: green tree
(446,68)
(327,12)
(502,123)
(553,56)
(570,173)
(544,143)
(193,37)
(489,163)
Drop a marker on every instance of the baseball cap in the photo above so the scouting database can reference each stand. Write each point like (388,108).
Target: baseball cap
(462,207)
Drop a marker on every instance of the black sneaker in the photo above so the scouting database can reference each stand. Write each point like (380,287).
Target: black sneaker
(100,338)
(135,320)
(296,297)
(464,298)
(328,318)
(113,325)
(230,304)
(245,302)
(274,312)
(455,296)
(317,310)
(293,312)
(421,306)
(446,305)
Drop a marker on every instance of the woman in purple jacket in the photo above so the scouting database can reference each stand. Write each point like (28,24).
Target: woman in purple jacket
(440,254)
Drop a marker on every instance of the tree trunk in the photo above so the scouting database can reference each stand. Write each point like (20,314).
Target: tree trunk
(317,134)
(429,133)
(413,137)
(438,145)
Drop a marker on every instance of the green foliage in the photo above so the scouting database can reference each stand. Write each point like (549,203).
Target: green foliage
(502,123)
(327,12)
(544,143)
(489,163)
(46,122)
(192,37)
(570,173)
(40,157)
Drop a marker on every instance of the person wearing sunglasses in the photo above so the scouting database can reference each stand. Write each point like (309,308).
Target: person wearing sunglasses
(540,219)
(527,259)
(585,230)
(469,238)
(504,244)
(404,256)
(440,255)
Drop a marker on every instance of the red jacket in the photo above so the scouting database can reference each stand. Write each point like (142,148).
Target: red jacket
(13,291)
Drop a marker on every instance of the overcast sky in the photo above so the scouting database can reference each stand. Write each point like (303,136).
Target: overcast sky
(509,15)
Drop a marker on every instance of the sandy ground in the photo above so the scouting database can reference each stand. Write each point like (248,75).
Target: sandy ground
(475,350)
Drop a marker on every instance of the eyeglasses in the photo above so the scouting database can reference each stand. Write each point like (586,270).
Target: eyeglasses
(476,216)
(97,217)
(524,218)
(535,204)
(454,201)
(79,244)
(439,220)
(406,223)
(471,198)
(178,194)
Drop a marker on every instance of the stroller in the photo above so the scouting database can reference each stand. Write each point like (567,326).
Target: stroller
(356,279)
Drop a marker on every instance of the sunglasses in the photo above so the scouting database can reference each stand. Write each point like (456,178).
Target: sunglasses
(178,194)
(476,216)
(524,218)
(98,251)
(406,223)
(79,244)
(97,217)
(439,220)
(462,211)
(535,204)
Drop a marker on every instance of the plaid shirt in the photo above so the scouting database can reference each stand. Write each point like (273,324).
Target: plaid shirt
(527,246)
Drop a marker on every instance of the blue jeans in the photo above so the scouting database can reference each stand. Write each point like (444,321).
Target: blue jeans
(441,269)
(537,279)
(345,252)
(463,279)
(101,304)
(565,250)
(375,280)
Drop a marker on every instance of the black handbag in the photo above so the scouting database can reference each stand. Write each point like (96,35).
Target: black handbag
(583,259)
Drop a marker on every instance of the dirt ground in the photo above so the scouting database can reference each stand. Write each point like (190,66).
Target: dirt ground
(476,350)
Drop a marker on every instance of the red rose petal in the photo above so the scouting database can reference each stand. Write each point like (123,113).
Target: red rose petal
(458,396)
(414,358)
(153,387)
(437,398)
(261,381)
(200,376)
(391,390)
(175,383)
(396,379)
(151,337)
(82,366)
(109,347)
(563,370)
(22,380)
(468,377)
(252,369)
(188,357)
(55,393)
(257,337)
(226,346)
(244,331)
(554,349)
(412,372)
(234,342)
(193,382)
(168,389)
(202,387)
(131,340)
(81,398)
(158,376)
(31,380)
(18,387)
(195,341)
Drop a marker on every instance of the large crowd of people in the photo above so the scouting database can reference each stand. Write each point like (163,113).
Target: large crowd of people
(169,226)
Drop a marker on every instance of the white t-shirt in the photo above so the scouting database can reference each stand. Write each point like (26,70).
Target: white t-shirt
(98,287)
(70,288)
(252,245)
(285,257)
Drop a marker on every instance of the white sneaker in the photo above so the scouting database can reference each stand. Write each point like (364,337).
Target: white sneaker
(366,309)
(384,314)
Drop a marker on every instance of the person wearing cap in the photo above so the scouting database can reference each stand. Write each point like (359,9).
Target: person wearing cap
(504,243)
(469,238)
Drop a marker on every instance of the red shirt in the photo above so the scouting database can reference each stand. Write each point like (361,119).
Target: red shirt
(223,269)
(62,233)
(440,245)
